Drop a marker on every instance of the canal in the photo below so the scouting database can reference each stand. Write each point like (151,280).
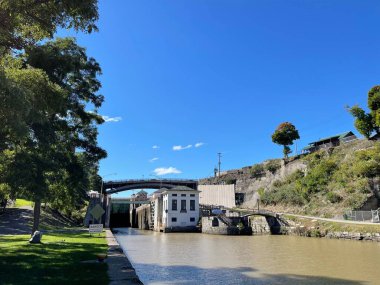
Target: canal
(190,258)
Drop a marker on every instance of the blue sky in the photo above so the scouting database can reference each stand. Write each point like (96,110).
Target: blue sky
(225,74)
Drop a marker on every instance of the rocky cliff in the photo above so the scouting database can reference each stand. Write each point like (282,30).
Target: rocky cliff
(326,183)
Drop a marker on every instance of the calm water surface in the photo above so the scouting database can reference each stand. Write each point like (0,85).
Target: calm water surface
(183,258)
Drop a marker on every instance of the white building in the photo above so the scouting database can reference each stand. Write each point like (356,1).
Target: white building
(180,209)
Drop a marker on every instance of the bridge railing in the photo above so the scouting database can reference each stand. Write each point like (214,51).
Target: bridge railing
(152,179)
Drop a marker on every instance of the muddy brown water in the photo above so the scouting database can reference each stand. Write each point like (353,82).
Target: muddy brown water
(187,258)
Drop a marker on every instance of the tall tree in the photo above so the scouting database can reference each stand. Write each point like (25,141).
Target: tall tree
(367,123)
(364,122)
(43,116)
(374,106)
(284,135)
(62,83)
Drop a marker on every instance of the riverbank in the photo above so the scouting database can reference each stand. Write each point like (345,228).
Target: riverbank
(336,229)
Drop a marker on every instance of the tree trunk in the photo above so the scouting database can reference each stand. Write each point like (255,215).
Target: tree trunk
(36,215)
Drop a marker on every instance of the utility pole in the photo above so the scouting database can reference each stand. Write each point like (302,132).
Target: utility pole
(219,163)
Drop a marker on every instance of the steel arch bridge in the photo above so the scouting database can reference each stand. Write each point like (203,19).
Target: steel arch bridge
(111,187)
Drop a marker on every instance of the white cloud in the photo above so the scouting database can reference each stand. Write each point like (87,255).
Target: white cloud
(199,144)
(153,159)
(166,170)
(108,119)
(179,147)
(155,147)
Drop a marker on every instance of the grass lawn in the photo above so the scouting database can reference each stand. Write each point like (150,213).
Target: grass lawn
(56,261)
(22,203)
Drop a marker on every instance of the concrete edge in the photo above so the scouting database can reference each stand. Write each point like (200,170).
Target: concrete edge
(120,269)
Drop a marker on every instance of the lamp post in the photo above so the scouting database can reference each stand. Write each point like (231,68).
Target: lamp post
(157,177)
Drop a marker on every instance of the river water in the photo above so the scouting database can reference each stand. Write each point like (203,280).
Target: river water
(190,258)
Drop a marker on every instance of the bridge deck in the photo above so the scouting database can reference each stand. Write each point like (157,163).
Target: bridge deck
(110,187)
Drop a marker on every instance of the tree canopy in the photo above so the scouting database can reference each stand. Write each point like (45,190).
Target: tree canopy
(284,135)
(26,22)
(368,123)
(49,97)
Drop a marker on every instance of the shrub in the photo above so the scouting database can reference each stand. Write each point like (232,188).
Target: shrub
(272,166)
(229,181)
(333,197)
(257,171)
(356,200)
(261,191)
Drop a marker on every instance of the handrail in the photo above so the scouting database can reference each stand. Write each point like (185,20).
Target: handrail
(148,180)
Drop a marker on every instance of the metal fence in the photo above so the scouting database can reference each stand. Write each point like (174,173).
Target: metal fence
(363,216)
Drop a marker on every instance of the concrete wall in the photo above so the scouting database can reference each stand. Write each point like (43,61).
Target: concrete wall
(143,217)
(220,195)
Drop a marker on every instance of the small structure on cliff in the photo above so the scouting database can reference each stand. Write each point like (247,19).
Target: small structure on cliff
(329,142)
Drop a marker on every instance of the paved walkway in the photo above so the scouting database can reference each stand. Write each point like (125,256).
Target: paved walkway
(120,270)
(16,221)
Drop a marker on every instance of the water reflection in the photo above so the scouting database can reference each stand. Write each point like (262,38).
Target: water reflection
(204,259)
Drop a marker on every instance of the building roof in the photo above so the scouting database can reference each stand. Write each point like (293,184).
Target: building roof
(339,136)
(179,188)
(141,192)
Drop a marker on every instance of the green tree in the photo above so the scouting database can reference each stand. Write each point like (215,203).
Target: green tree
(364,122)
(284,135)
(367,123)
(374,106)
(43,115)
(26,22)
(61,82)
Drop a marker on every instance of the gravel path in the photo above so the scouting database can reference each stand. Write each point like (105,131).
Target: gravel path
(332,220)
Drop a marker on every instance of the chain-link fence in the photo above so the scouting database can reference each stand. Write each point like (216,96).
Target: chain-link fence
(363,216)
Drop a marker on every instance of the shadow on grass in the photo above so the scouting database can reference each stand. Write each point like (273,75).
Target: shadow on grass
(186,275)
(56,262)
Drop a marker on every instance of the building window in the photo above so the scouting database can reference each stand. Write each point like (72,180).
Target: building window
(192,219)
(183,195)
(183,205)
(174,205)
(174,195)
(174,219)
(192,205)
(192,195)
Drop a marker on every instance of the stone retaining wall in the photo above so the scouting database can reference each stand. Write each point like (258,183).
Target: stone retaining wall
(220,229)
(315,232)
(259,225)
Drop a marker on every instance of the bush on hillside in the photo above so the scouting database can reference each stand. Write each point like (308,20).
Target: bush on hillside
(333,197)
(257,171)
(229,181)
(272,166)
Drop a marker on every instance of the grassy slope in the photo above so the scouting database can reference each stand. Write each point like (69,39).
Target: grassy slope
(335,181)
(56,261)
